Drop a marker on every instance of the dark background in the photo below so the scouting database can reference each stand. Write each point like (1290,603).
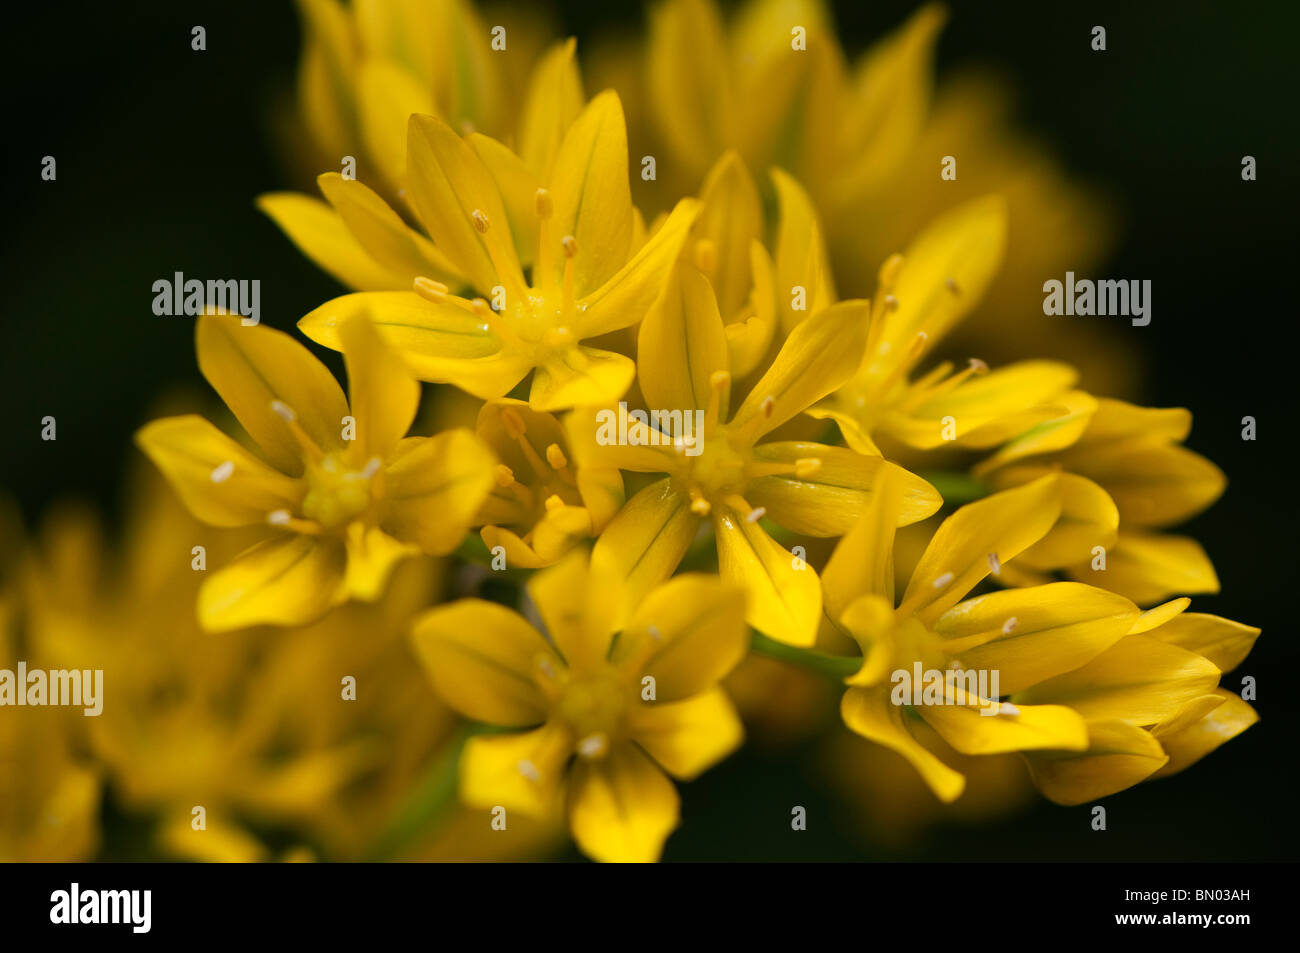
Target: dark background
(161,151)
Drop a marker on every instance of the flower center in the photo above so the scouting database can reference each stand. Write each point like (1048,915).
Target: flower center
(336,493)
(595,707)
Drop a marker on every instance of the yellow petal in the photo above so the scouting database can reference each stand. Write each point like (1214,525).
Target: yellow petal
(372,556)
(1192,742)
(384,236)
(518,186)
(1138,680)
(553,102)
(1050,435)
(829,501)
(1153,484)
(962,723)
(580,376)
(625,298)
(595,441)
(945,271)
(1118,757)
(987,409)
(1089,518)
(731,221)
(869,712)
(862,563)
(817,358)
(439,342)
(855,435)
(1224,642)
(622,808)
(384,395)
(593,202)
(1158,616)
(688,737)
(434,487)
(1003,525)
(321,235)
(801,259)
(286,580)
(252,366)
(483,660)
(520,772)
(688,78)
(1118,420)
(448,183)
(218,480)
(784,595)
(578,610)
(387,94)
(1029,635)
(748,339)
(687,635)
(644,543)
(681,344)
(1148,567)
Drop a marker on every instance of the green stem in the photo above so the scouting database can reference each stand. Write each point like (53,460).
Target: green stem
(956,487)
(432,797)
(834,666)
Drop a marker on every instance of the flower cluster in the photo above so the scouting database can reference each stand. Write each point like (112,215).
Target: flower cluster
(782,436)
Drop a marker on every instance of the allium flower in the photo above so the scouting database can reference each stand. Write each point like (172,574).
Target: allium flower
(732,478)
(1135,456)
(921,296)
(543,503)
(1083,671)
(608,714)
(343,495)
(592,273)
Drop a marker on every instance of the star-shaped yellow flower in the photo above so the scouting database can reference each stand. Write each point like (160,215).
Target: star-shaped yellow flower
(592,272)
(606,715)
(343,496)
(728,476)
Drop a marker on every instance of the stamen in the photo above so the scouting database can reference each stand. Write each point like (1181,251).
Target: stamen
(554,502)
(887,277)
(310,451)
(655,633)
(594,745)
(283,411)
(221,473)
(544,267)
(944,580)
(1006,708)
(543,203)
(1010,625)
(891,303)
(558,337)
(768,406)
(978,366)
(529,770)
(570,246)
(480,220)
(505,477)
(719,388)
(279,517)
(555,457)
(283,519)
(951,285)
(756,514)
(995,564)
(372,467)
(699,505)
(432,291)
(805,467)
(738,503)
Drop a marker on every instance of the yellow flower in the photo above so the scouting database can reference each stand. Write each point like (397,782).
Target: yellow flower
(1147,481)
(592,273)
(343,496)
(606,715)
(727,475)
(1151,704)
(921,296)
(366,66)
(542,503)
(1091,681)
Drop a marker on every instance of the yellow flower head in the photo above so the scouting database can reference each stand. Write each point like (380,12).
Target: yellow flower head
(1078,666)
(602,715)
(720,471)
(342,495)
(591,272)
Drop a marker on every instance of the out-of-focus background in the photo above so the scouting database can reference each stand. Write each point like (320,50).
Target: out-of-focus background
(161,150)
